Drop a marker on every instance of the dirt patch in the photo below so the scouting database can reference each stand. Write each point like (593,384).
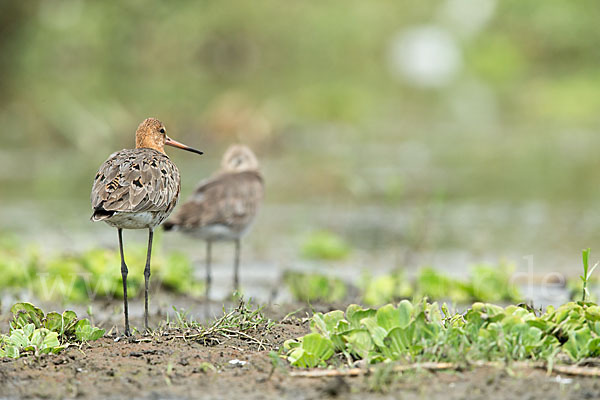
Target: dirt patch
(170,365)
(162,365)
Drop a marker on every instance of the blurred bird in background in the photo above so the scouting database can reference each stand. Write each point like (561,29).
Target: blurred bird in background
(223,207)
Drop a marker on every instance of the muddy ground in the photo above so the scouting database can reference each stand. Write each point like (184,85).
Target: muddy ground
(168,365)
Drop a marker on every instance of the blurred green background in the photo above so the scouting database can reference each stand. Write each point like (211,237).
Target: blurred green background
(432,132)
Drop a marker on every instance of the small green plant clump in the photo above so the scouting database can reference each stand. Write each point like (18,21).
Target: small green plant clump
(244,322)
(18,265)
(485,283)
(587,274)
(32,331)
(325,245)
(385,288)
(427,332)
(314,287)
(579,287)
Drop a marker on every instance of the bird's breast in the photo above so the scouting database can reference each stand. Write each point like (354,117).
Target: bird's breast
(217,232)
(137,220)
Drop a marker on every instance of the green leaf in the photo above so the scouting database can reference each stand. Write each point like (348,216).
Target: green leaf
(593,347)
(17,338)
(326,324)
(54,322)
(592,313)
(388,317)
(399,341)
(405,309)
(12,351)
(28,330)
(37,338)
(83,330)
(377,332)
(69,321)
(291,344)
(355,313)
(26,313)
(577,345)
(585,254)
(424,328)
(50,342)
(97,333)
(314,350)
(541,324)
(359,342)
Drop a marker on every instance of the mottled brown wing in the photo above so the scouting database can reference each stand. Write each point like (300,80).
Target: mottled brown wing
(136,180)
(230,199)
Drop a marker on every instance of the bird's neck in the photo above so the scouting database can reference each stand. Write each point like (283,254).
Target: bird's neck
(144,143)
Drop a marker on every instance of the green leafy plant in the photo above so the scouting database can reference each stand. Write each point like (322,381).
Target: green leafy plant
(29,339)
(423,331)
(66,325)
(574,287)
(386,288)
(433,284)
(314,287)
(309,351)
(33,331)
(103,277)
(324,245)
(95,273)
(492,283)
(178,276)
(18,265)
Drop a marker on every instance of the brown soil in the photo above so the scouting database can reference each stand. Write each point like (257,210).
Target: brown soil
(167,365)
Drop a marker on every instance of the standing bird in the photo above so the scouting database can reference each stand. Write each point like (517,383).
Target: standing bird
(137,189)
(222,208)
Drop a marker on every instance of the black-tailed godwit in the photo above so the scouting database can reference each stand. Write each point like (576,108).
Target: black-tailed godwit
(137,189)
(223,207)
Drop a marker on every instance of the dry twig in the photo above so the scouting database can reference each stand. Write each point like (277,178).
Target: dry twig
(433,366)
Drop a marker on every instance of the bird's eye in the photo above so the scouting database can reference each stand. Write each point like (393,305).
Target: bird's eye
(162,130)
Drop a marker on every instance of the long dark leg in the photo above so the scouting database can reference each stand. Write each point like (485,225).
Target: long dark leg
(124,276)
(208,277)
(236,265)
(208,281)
(147,277)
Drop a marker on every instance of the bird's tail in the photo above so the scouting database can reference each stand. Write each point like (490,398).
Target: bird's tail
(101,214)
(169,226)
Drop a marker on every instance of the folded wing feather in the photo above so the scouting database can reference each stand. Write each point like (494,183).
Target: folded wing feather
(136,180)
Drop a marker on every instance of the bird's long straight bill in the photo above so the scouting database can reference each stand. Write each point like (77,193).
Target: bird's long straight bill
(182,146)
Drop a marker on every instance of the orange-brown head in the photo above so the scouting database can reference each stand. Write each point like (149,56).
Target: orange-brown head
(152,134)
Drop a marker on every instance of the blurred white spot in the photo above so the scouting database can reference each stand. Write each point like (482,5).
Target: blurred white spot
(426,56)
(467,16)
(238,363)
(563,381)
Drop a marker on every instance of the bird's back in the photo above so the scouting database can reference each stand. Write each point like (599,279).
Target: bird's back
(138,180)
(222,207)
